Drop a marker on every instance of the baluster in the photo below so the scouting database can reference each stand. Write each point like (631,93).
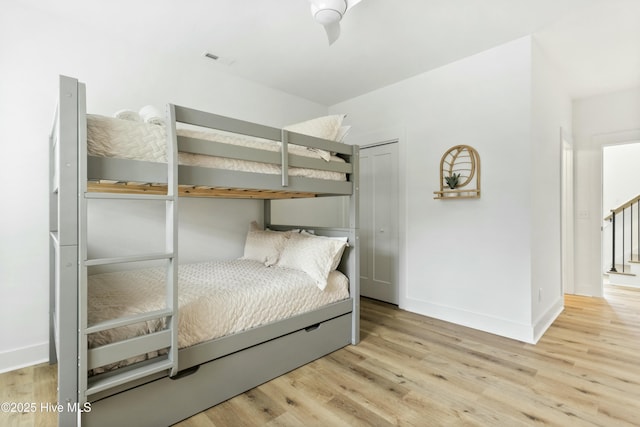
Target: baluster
(613,243)
(623,223)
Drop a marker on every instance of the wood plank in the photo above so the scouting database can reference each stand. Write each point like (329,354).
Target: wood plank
(251,408)
(304,397)
(34,385)
(193,191)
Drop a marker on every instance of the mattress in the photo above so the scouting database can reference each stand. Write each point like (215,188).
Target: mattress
(216,298)
(125,139)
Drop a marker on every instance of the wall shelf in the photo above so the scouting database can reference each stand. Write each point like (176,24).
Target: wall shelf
(461,164)
(457,194)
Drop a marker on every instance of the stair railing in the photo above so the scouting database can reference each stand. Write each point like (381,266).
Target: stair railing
(622,225)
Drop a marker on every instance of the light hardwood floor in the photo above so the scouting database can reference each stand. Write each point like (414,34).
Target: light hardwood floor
(413,370)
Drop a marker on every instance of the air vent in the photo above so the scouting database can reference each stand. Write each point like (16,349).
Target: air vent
(218,59)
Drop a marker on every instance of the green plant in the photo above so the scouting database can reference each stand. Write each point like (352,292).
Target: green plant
(452,181)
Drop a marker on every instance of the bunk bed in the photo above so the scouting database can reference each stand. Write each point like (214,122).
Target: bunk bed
(156,377)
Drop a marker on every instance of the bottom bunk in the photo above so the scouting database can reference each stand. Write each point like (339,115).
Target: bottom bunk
(216,299)
(291,299)
(165,400)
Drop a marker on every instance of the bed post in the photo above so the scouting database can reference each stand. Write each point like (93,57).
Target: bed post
(53,230)
(64,249)
(266,215)
(354,231)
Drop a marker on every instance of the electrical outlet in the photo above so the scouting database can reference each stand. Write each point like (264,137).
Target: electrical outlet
(583,214)
(539,294)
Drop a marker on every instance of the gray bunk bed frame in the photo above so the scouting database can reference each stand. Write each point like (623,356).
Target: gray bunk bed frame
(189,380)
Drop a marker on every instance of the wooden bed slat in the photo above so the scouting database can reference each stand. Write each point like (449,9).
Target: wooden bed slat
(195,191)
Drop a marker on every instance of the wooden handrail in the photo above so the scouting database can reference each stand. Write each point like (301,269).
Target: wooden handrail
(622,207)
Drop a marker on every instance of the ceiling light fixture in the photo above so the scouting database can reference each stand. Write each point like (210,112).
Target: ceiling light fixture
(329,13)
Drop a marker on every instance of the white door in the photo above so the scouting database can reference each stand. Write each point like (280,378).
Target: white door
(379,222)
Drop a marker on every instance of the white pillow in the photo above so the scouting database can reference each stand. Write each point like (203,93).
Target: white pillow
(151,115)
(342,133)
(344,239)
(315,255)
(327,127)
(264,246)
(127,115)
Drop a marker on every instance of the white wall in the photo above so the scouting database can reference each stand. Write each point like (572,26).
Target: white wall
(35,49)
(472,262)
(597,121)
(551,112)
(317,212)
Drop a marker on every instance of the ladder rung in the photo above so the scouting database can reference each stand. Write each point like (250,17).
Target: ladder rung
(128,320)
(125,259)
(123,350)
(130,375)
(117,196)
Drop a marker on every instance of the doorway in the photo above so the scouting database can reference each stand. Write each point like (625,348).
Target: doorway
(379,222)
(620,184)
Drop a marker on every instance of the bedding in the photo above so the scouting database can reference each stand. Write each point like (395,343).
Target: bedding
(264,246)
(216,298)
(317,256)
(299,249)
(139,140)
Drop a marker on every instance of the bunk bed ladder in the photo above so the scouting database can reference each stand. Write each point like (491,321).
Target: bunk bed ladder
(165,339)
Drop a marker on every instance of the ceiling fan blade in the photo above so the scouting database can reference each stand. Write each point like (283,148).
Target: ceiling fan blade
(333,32)
(351,3)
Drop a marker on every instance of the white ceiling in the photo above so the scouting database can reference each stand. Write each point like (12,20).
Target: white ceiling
(276,42)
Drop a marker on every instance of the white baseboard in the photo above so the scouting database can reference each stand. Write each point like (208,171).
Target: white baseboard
(543,323)
(528,333)
(23,357)
(494,325)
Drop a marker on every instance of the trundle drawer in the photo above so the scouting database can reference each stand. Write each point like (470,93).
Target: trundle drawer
(166,401)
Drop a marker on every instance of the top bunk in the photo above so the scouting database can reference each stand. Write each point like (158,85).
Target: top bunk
(216,156)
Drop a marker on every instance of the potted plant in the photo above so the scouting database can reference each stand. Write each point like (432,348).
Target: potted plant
(452,181)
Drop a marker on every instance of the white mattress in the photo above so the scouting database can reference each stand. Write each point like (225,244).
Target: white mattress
(216,298)
(125,139)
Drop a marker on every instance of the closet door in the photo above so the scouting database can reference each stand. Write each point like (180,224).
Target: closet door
(379,222)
